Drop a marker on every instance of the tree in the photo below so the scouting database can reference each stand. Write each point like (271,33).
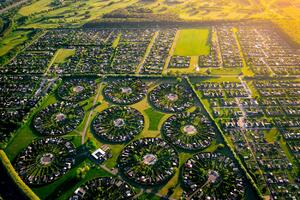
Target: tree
(81,172)
(91,145)
(208,71)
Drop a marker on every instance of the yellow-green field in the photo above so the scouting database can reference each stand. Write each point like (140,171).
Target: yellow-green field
(63,54)
(192,42)
(12,40)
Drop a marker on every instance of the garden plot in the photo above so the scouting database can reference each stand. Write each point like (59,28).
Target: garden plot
(45,160)
(211,175)
(189,131)
(118,124)
(29,63)
(18,94)
(104,188)
(72,37)
(125,91)
(266,52)
(76,90)
(148,161)
(171,98)
(230,52)
(58,119)
(155,61)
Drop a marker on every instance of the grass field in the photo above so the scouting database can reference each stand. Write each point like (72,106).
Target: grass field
(37,6)
(12,40)
(192,42)
(154,118)
(63,54)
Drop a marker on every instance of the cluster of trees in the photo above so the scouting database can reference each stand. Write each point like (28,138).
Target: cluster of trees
(139,13)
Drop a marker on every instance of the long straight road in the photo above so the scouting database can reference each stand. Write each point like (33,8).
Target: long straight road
(90,115)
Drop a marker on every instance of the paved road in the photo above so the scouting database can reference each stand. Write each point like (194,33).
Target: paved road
(171,52)
(148,50)
(90,115)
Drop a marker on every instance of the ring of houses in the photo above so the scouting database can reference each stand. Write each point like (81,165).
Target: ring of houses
(45,160)
(58,118)
(211,176)
(103,188)
(118,124)
(189,131)
(148,161)
(171,98)
(76,90)
(125,92)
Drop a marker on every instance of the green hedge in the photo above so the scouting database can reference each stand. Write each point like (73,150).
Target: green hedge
(16,178)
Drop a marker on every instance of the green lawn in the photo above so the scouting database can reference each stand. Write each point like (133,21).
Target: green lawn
(226,71)
(192,42)
(271,135)
(12,40)
(63,54)
(35,7)
(154,118)
(23,137)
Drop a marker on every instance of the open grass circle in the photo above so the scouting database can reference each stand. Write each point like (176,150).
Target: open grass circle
(104,188)
(76,90)
(58,119)
(171,98)
(118,124)
(189,131)
(211,176)
(148,161)
(45,160)
(125,91)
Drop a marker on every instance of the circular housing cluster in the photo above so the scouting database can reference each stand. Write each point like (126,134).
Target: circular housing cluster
(104,188)
(148,161)
(211,176)
(58,119)
(76,89)
(125,91)
(118,124)
(45,160)
(171,97)
(189,131)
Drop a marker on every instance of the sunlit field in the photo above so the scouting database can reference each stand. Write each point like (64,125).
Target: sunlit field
(192,42)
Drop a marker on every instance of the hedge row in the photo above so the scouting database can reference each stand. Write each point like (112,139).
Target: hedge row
(16,178)
(249,178)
